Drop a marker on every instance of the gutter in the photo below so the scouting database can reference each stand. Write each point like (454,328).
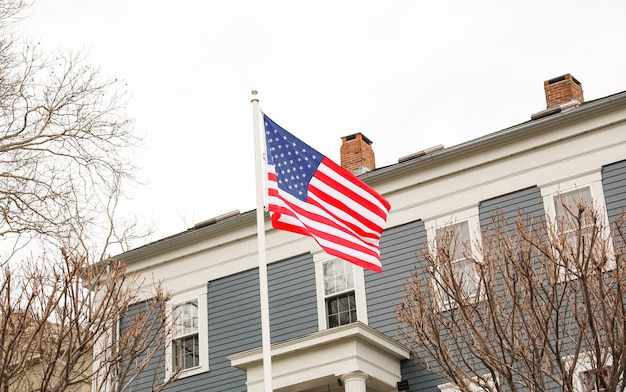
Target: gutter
(517,130)
(219,224)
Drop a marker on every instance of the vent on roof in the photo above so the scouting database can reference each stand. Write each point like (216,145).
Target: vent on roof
(418,154)
(216,219)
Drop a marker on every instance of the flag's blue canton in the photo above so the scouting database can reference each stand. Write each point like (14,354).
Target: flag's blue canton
(295,161)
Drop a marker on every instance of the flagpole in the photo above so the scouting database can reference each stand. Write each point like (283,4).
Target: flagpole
(260,224)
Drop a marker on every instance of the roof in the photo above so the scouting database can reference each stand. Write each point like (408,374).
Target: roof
(234,220)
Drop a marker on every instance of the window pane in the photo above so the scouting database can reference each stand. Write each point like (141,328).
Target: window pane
(177,320)
(186,352)
(191,317)
(185,318)
(333,306)
(338,277)
(329,277)
(344,318)
(454,239)
(570,201)
(341,309)
(342,304)
(465,273)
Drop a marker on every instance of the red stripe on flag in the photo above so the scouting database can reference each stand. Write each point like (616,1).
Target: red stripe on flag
(348,239)
(344,215)
(373,201)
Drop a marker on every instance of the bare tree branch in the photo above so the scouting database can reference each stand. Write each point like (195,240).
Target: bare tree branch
(550,296)
(65,149)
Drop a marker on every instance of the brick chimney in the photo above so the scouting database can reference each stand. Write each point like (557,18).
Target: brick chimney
(563,89)
(357,155)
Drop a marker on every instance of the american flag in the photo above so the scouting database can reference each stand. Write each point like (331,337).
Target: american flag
(311,195)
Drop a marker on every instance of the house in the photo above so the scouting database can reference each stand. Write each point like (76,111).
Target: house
(332,325)
(33,356)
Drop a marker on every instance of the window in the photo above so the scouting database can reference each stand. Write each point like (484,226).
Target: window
(188,351)
(340,289)
(185,339)
(456,241)
(452,241)
(586,378)
(562,201)
(566,207)
(484,383)
(339,293)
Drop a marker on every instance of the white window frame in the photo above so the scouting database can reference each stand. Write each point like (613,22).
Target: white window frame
(591,180)
(432,224)
(452,387)
(582,365)
(319,259)
(198,294)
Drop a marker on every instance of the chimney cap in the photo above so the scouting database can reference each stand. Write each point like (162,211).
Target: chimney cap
(357,135)
(562,78)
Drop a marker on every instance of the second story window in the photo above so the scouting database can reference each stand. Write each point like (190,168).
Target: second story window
(188,349)
(453,246)
(339,293)
(185,339)
(593,377)
(575,207)
(589,381)
(452,242)
(566,207)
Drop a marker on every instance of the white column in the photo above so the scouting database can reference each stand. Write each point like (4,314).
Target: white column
(354,382)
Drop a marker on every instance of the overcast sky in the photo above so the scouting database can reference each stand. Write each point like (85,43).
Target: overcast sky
(408,74)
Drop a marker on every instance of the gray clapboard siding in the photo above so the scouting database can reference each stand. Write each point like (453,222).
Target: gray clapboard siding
(527,201)
(292,298)
(154,373)
(614,187)
(399,248)
(234,313)
(420,380)
(234,323)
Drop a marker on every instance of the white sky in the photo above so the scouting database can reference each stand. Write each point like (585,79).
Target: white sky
(408,74)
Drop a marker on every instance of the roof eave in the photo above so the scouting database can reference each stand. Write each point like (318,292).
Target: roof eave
(246,219)
(519,130)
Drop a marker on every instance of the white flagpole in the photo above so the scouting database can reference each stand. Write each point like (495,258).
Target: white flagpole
(260,225)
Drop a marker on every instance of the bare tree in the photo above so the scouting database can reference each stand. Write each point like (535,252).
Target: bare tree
(548,312)
(58,335)
(65,143)
(69,317)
